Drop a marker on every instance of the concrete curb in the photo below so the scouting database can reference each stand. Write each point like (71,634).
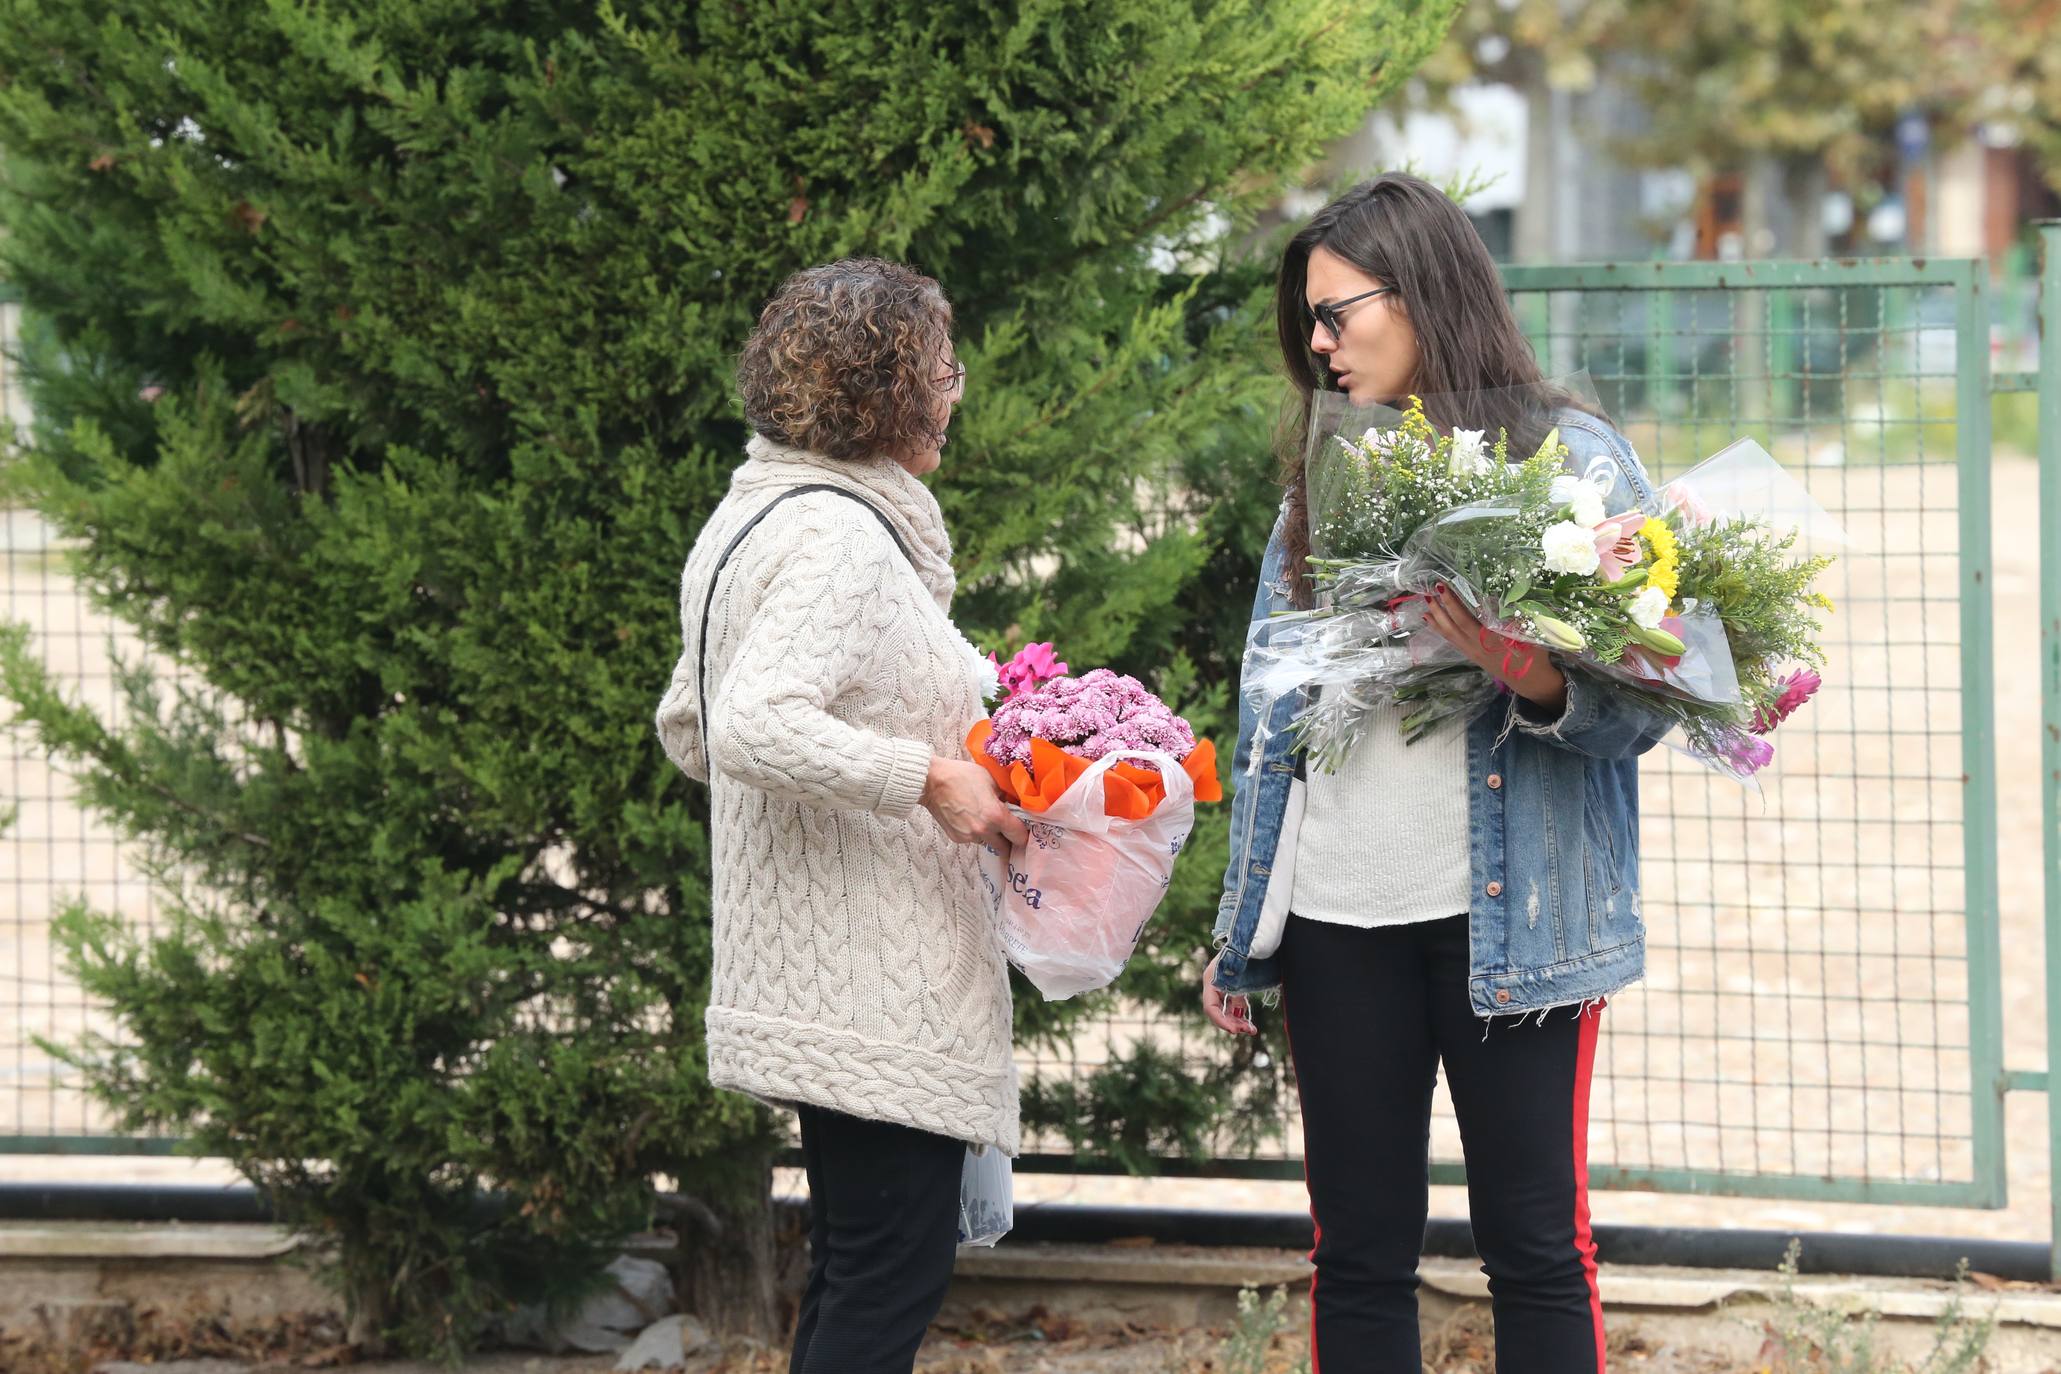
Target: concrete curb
(133,1240)
(1625,1289)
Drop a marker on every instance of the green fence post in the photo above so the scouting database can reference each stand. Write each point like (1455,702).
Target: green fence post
(2050,685)
(1978,728)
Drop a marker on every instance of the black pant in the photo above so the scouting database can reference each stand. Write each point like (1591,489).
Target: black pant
(1370,1015)
(883,1231)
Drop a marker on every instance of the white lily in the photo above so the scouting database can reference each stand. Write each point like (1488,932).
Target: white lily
(1469,454)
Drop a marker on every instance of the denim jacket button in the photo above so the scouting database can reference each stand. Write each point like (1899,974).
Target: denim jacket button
(1494,889)
(1495,780)
(1502,996)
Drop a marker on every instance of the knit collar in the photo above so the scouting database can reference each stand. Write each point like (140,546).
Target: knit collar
(908,505)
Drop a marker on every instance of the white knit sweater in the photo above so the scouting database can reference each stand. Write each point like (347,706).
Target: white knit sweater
(857,965)
(1384,840)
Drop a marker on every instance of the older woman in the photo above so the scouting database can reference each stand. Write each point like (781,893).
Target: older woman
(824,694)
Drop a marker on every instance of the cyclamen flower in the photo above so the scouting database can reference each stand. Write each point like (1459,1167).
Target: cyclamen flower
(1099,713)
(1570,548)
(1033,664)
(1797,688)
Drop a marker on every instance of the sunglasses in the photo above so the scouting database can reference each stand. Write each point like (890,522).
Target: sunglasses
(1327,314)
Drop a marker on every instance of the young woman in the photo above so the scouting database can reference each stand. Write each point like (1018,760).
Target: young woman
(1466,900)
(824,695)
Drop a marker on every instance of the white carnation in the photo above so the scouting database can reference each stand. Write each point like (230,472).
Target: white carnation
(1649,607)
(1469,455)
(1581,494)
(1588,506)
(1570,548)
(987,679)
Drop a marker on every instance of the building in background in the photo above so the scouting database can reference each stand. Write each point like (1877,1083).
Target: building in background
(1551,189)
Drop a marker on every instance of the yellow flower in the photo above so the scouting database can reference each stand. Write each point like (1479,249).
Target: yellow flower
(1821,601)
(1417,424)
(1667,556)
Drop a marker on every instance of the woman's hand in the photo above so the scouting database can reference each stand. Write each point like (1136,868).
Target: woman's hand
(1527,669)
(1226,1010)
(964,801)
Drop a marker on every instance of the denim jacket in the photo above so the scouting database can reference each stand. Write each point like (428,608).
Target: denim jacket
(1553,820)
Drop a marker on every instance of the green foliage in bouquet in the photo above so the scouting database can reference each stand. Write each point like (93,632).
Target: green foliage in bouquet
(1764,594)
(1370,496)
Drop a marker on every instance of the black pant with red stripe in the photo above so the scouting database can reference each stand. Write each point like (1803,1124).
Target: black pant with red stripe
(1371,1014)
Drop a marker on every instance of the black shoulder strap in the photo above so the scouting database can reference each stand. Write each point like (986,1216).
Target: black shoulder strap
(708,602)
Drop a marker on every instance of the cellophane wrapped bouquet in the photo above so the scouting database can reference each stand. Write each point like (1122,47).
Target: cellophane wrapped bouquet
(1105,777)
(1694,599)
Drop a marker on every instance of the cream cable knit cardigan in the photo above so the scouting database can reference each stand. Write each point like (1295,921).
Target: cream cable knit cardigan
(857,964)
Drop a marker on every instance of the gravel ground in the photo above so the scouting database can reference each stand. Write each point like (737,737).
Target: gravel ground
(1034,1344)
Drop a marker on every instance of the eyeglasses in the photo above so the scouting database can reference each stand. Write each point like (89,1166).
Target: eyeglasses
(956,377)
(1326,313)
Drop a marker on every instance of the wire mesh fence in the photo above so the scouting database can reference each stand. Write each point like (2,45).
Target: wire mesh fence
(1816,986)
(1821,998)
(54,852)
(1822,993)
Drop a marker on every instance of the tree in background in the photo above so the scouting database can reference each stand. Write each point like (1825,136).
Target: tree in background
(1785,92)
(382,367)
(2022,86)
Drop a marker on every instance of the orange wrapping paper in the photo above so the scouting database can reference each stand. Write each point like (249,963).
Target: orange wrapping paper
(1128,791)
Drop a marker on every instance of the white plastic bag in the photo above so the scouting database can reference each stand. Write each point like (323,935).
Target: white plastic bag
(1075,899)
(987,1207)
(607,1321)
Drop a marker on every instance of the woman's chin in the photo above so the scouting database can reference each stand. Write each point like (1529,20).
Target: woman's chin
(1362,393)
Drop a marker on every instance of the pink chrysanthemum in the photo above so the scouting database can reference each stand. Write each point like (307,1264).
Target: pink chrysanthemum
(1096,714)
(1797,688)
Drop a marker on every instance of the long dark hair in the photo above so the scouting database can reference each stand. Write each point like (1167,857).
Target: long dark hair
(1406,233)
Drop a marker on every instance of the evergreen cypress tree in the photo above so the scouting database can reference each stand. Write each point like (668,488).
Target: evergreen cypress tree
(383,378)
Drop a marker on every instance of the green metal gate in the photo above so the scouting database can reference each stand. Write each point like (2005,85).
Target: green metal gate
(1825,1008)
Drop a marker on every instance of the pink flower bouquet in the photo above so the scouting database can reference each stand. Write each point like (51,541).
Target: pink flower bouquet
(1078,721)
(1106,778)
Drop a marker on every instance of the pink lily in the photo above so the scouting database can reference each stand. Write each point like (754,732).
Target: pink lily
(1685,499)
(1617,544)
